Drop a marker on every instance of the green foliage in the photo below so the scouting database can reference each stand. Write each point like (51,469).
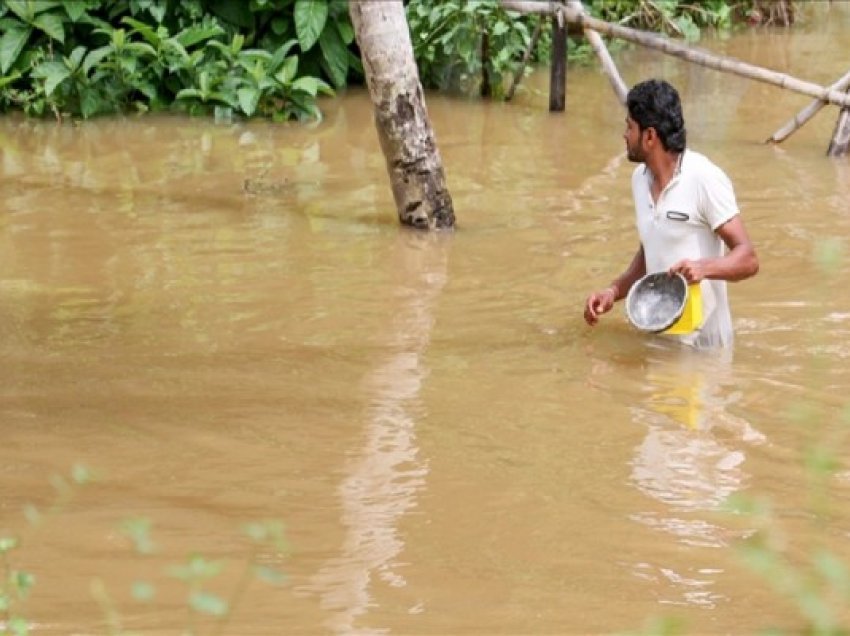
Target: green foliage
(263,539)
(675,18)
(88,57)
(457,43)
(450,38)
(16,584)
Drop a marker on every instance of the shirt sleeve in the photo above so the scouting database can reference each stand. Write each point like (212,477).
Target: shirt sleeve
(717,198)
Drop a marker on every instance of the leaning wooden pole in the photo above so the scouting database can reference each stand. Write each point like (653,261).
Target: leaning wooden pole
(404,129)
(794,124)
(608,66)
(671,47)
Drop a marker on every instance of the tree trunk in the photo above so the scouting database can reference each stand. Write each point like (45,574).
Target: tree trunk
(404,129)
(671,47)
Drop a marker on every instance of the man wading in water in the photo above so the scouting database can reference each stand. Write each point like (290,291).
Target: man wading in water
(687,217)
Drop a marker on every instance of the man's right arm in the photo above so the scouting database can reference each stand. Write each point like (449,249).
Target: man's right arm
(601,302)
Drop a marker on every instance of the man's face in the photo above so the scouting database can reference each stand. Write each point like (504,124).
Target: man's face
(634,137)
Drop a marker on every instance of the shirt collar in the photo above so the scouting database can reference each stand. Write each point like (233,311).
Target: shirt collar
(676,172)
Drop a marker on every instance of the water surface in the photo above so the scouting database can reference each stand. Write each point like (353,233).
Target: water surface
(226,324)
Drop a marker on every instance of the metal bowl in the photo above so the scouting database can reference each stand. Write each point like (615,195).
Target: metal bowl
(656,301)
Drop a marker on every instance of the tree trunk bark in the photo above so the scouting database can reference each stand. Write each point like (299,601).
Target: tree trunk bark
(671,47)
(404,129)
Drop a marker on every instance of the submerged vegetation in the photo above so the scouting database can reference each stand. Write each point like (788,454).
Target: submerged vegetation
(274,58)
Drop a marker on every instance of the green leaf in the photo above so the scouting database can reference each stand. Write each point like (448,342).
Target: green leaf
(287,72)
(237,43)
(143,591)
(75,9)
(138,529)
(74,62)
(22,9)
(500,29)
(95,57)
(19,626)
(335,55)
(53,73)
(90,102)
(193,35)
(145,30)
(346,31)
(280,25)
(248,97)
(141,48)
(189,93)
(280,55)
(306,85)
(22,582)
(250,56)
(310,18)
(32,514)
(206,603)
(51,24)
(833,569)
(11,45)
(158,12)
(269,574)
(7,544)
(196,569)
(5,81)
(40,6)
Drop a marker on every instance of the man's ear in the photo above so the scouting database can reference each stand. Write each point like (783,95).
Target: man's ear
(651,135)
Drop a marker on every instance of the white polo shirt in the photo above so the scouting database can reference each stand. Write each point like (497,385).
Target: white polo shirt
(681,225)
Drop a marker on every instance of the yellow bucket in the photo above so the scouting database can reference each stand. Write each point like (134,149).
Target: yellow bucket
(691,317)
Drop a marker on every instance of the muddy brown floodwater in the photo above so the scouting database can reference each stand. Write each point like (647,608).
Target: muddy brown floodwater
(226,324)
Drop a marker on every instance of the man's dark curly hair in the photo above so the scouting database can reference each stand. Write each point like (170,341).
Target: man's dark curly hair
(656,104)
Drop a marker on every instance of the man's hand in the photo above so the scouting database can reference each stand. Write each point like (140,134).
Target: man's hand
(599,303)
(693,271)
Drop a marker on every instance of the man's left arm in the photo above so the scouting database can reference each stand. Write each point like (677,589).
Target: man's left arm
(738,263)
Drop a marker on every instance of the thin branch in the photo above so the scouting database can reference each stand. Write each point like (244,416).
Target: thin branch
(520,73)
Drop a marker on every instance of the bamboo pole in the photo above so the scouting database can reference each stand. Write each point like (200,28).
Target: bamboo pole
(538,30)
(670,47)
(840,142)
(806,114)
(530,6)
(608,66)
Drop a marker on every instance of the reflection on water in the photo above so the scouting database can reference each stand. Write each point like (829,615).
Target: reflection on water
(384,478)
(691,459)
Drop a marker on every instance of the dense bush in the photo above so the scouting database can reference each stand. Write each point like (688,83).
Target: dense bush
(274,57)
(86,57)
(460,43)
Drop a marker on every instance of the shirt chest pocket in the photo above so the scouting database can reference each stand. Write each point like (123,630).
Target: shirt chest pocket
(678,219)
